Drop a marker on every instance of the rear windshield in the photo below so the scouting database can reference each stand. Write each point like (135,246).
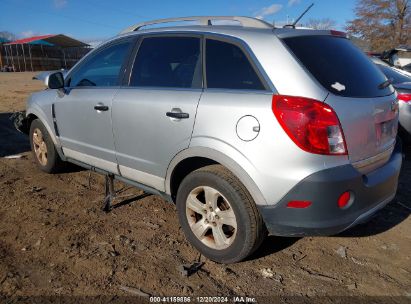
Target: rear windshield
(339,66)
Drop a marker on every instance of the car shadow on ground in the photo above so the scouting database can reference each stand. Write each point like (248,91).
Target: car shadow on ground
(273,244)
(389,217)
(12,142)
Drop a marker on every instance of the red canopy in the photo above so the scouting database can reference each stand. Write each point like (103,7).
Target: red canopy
(58,40)
(30,39)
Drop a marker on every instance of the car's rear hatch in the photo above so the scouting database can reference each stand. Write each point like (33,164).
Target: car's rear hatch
(365,104)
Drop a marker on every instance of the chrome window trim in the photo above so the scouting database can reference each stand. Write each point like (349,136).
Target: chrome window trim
(162,89)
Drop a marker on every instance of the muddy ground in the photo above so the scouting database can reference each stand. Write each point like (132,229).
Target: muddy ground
(55,240)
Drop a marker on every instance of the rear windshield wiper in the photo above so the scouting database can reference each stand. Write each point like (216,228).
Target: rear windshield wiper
(385,83)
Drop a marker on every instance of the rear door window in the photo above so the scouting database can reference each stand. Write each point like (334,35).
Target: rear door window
(227,67)
(170,62)
(339,66)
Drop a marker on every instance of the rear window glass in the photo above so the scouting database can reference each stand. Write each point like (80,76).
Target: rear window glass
(339,66)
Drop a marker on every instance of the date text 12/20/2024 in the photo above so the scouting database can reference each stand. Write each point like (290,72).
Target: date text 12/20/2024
(208,299)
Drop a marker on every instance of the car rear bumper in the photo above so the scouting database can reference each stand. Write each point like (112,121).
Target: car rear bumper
(323,217)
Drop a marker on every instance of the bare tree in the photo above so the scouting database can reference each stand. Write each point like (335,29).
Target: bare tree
(321,24)
(7,35)
(384,24)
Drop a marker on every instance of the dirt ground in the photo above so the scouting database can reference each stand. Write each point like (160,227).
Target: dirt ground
(55,240)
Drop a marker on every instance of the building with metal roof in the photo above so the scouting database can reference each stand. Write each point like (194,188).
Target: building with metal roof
(41,53)
(3,40)
(57,40)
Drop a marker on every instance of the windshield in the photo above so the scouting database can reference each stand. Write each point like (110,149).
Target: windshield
(339,66)
(397,77)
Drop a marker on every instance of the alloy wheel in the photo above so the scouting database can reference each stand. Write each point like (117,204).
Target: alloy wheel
(211,217)
(40,147)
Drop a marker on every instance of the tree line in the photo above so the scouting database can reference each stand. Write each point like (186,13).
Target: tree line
(378,25)
(382,24)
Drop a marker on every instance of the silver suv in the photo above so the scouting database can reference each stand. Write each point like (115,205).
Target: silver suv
(248,128)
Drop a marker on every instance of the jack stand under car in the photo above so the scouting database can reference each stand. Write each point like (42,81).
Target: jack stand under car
(109,192)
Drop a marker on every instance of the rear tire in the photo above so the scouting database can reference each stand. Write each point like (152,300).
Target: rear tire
(226,227)
(44,151)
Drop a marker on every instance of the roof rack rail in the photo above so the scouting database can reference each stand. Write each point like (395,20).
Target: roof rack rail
(203,20)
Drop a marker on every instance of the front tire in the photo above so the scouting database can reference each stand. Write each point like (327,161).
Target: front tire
(218,215)
(44,151)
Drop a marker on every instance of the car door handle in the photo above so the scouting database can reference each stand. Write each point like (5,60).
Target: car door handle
(100,107)
(178,115)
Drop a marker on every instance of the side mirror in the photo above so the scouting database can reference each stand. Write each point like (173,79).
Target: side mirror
(55,81)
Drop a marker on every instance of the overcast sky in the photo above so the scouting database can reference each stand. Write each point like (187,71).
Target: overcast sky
(99,19)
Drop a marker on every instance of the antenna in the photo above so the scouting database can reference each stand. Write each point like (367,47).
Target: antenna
(299,18)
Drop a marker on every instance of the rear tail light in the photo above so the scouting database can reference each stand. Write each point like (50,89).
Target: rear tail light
(404,97)
(311,124)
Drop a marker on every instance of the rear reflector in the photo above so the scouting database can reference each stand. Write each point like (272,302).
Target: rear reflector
(404,97)
(298,204)
(344,199)
(312,125)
